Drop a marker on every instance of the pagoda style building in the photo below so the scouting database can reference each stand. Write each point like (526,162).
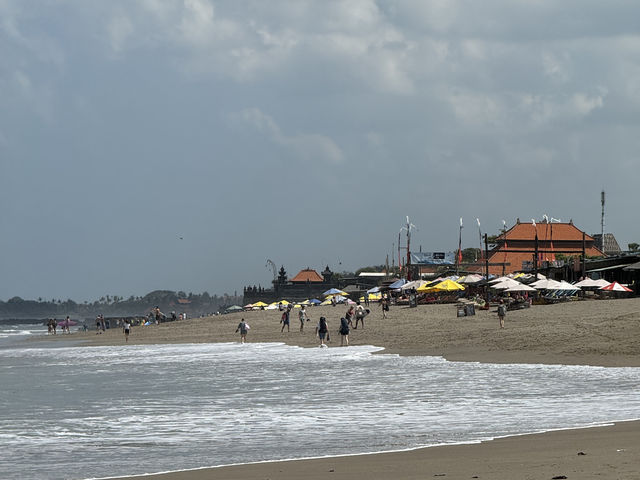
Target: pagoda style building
(515,249)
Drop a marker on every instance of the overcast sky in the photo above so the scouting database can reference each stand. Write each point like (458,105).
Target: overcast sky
(179,144)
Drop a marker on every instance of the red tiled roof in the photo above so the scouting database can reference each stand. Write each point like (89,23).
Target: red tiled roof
(184,301)
(546,231)
(307,275)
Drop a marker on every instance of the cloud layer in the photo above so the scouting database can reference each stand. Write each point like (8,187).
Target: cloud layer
(260,129)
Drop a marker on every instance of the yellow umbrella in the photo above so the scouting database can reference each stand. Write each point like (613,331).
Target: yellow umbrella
(448,286)
(427,287)
(284,302)
(372,296)
(259,304)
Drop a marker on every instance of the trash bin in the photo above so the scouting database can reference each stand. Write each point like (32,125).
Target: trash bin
(461,311)
(469,310)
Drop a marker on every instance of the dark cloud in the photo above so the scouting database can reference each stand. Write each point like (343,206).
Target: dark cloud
(301,132)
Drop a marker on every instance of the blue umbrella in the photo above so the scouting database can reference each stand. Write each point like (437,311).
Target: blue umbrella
(373,290)
(315,301)
(332,291)
(397,284)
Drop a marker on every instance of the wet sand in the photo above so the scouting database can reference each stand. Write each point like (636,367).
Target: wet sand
(591,332)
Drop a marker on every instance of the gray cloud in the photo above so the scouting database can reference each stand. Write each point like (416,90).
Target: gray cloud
(248,125)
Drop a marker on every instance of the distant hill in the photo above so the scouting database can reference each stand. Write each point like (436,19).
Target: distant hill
(167,300)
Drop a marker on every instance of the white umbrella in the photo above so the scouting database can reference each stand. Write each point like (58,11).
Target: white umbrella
(601,282)
(567,286)
(507,283)
(521,288)
(587,282)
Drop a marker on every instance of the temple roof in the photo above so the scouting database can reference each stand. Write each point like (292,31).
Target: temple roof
(307,275)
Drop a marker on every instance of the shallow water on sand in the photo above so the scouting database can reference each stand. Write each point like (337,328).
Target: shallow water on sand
(101,411)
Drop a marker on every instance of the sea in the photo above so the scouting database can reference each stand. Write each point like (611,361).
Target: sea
(69,411)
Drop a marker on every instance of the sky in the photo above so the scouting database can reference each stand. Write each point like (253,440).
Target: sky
(179,144)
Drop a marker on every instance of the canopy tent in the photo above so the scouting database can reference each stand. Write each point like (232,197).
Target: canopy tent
(615,287)
(373,290)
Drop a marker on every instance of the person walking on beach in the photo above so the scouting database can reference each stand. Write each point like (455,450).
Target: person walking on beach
(384,304)
(349,315)
(302,316)
(126,328)
(285,320)
(344,332)
(321,330)
(502,312)
(360,314)
(243,328)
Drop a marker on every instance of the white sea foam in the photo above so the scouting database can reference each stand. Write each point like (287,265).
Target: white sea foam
(167,407)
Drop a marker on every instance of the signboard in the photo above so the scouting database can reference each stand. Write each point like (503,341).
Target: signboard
(433,258)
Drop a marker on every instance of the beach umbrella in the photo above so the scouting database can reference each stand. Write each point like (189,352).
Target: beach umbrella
(471,278)
(615,287)
(443,286)
(564,285)
(283,302)
(506,283)
(248,306)
(338,298)
(601,282)
(334,291)
(233,308)
(373,290)
(260,304)
(315,301)
(372,296)
(397,284)
(586,283)
(326,302)
(520,288)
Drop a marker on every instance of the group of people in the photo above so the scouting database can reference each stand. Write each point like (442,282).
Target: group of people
(355,314)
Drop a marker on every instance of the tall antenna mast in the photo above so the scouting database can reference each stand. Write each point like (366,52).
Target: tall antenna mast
(602,222)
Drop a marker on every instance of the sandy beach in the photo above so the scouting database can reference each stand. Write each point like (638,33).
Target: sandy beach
(593,332)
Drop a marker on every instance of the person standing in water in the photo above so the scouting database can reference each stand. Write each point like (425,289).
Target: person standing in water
(243,328)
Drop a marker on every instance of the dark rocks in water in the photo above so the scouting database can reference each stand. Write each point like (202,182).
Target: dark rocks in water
(559,477)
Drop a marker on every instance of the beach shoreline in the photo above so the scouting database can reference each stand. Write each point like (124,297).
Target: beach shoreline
(595,452)
(601,333)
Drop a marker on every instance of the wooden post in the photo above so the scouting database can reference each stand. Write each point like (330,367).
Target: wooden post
(584,255)
(486,265)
